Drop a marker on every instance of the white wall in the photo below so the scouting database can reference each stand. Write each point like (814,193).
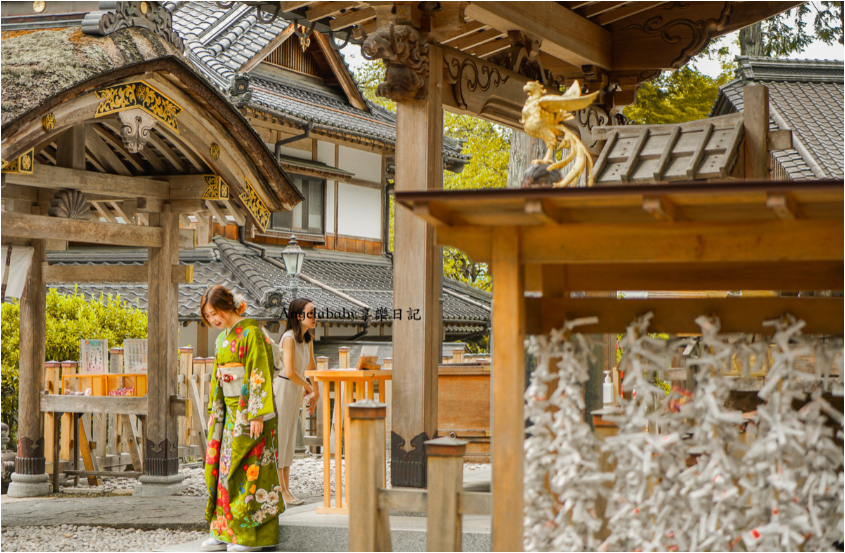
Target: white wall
(325,153)
(365,165)
(330,206)
(359,212)
(290,152)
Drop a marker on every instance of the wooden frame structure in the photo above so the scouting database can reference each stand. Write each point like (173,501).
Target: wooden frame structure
(137,146)
(542,244)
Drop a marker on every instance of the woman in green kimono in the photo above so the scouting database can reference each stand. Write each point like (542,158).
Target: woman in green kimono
(244,495)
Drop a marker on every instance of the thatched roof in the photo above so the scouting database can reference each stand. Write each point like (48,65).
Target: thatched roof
(37,64)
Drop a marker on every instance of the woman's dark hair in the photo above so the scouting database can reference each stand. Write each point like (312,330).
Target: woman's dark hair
(296,314)
(219,298)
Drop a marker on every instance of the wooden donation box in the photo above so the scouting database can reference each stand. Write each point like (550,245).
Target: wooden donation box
(463,407)
(349,385)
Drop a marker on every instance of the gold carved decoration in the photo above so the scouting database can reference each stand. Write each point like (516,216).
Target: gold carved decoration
(256,207)
(138,95)
(543,118)
(215,188)
(23,164)
(215,151)
(48,122)
(38,7)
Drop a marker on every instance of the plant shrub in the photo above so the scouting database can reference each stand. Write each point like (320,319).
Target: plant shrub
(70,318)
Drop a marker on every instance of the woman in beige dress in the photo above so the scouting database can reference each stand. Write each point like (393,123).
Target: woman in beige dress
(298,356)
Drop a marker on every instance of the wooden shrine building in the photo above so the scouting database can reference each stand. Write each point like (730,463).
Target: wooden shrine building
(117,125)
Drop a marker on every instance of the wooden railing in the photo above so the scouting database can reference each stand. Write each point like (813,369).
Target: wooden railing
(444,502)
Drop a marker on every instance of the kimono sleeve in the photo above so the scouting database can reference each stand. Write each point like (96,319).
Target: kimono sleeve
(258,362)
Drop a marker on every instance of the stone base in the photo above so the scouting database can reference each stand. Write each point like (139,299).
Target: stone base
(160,486)
(29,485)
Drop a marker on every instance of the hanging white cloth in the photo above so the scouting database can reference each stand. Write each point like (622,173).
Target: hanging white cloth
(15,261)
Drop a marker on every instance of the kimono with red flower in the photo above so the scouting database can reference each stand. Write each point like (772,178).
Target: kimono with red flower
(240,472)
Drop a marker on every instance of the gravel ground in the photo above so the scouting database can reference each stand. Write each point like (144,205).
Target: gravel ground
(306,478)
(91,538)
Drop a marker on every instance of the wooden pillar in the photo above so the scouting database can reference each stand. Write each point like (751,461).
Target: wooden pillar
(368,525)
(202,340)
(507,385)
(446,482)
(161,456)
(30,461)
(417,270)
(756,122)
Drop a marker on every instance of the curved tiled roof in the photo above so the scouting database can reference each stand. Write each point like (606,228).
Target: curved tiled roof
(366,278)
(808,96)
(219,41)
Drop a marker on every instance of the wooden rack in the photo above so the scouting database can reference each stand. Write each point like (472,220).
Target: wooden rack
(543,244)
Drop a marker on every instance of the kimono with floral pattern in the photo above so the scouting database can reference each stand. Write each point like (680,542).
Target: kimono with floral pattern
(245,498)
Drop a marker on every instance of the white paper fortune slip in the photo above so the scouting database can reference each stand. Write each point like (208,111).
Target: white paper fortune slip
(93,356)
(135,355)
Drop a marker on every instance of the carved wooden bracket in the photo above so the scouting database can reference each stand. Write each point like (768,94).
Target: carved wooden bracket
(70,204)
(406,60)
(482,89)
(136,128)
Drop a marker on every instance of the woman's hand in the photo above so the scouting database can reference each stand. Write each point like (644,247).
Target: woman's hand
(311,400)
(256,427)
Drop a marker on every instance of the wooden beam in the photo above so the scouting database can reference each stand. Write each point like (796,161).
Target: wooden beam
(94,273)
(544,211)
(628,10)
(490,48)
(338,67)
(100,150)
(634,156)
(599,8)
(769,275)
(467,29)
(698,153)
(118,145)
(70,148)
(783,205)
(51,403)
(507,385)
(328,9)
(17,225)
(104,212)
(217,212)
(350,18)
(800,240)
(822,315)
(147,153)
(476,39)
(666,155)
(167,152)
(235,212)
(565,34)
(120,213)
(292,6)
(661,207)
(756,122)
(118,186)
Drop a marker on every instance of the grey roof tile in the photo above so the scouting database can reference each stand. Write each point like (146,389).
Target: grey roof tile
(808,95)
(266,287)
(222,56)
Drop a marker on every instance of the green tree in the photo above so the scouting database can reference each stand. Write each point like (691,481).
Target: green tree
(677,97)
(489,146)
(70,318)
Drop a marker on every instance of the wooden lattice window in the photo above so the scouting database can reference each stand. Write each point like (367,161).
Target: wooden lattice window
(289,55)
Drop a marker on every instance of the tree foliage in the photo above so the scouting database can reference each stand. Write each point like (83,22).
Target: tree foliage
(489,146)
(70,318)
(677,97)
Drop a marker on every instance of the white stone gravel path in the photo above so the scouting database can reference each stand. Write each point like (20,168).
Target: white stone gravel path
(91,538)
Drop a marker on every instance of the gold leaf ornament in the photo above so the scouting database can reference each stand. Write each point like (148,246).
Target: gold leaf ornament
(48,122)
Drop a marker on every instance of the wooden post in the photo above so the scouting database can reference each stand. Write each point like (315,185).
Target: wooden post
(161,450)
(756,122)
(186,371)
(445,482)
(115,367)
(507,385)
(343,357)
(30,459)
(202,340)
(52,383)
(68,367)
(418,265)
(367,523)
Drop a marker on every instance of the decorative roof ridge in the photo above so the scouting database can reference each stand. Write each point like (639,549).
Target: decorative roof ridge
(114,16)
(234,260)
(470,290)
(761,69)
(233,33)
